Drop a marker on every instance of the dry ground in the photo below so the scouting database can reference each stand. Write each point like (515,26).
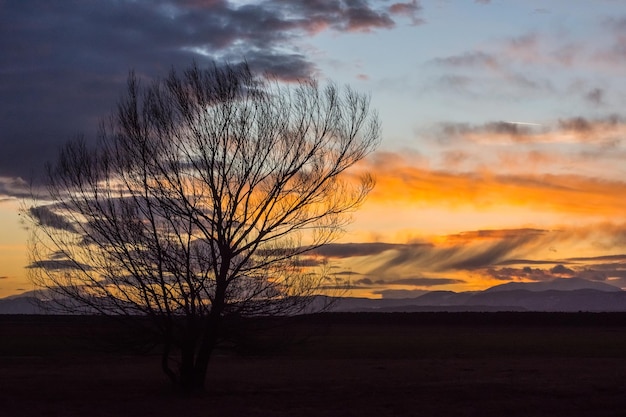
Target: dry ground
(351,365)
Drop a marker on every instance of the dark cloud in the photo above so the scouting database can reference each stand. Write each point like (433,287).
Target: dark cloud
(585,125)
(525,262)
(424,282)
(14,188)
(455,82)
(507,128)
(496,234)
(308,262)
(287,67)
(578,124)
(601,129)
(595,96)
(621,257)
(55,265)
(615,51)
(409,9)
(4,277)
(341,15)
(363,282)
(517,274)
(496,72)
(524,42)
(500,254)
(593,275)
(348,250)
(446,131)
(347,273)
(465,251)
(617,24)
(487,255)
(468,251)
(602,268)
(400,293)
(606,272)
(562,270)
(469,59)
(358,17)
(618,268)
(46,217)
(64,64)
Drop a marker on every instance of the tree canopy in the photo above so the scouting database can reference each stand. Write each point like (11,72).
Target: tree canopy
(201,195)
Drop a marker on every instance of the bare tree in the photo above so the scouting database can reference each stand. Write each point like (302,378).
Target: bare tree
(201,196)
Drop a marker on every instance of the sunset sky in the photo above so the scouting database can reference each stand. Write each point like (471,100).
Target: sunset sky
(503,155)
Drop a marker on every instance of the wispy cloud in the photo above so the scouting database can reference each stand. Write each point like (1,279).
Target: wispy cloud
(613,53)
(403,183)
(45,216)
(410,9)
(496,70)
(349,250)
(486,257)
(12,188)
(571,151)
(474,59)
(545,63)
(423,282)
(605,130)
(55,265)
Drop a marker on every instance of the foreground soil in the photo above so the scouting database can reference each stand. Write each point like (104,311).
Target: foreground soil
(497,364)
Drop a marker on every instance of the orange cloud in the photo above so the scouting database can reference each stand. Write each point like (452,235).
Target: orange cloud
(490,235)
(482,258)
(398,182)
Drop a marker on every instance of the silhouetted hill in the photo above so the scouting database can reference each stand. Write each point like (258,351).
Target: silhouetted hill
(559,284)
(20,305)
(560,295)
(444,298)
(553,300)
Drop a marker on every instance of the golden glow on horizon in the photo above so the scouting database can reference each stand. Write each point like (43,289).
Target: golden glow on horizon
(457,217)
(13,250)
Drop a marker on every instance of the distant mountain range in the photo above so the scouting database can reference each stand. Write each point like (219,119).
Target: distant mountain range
(559,295)
(562,294)
(559,284)
(20,305)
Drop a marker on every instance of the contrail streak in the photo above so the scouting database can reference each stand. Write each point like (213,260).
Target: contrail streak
(524,123)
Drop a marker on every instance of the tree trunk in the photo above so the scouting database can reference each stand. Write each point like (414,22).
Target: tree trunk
(165,362)
(209,338)
(195,354)
(207,345)
(187,379)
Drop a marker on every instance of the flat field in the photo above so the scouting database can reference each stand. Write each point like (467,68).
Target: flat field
(421,364)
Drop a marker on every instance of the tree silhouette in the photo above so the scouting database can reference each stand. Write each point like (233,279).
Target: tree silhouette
(196,204)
